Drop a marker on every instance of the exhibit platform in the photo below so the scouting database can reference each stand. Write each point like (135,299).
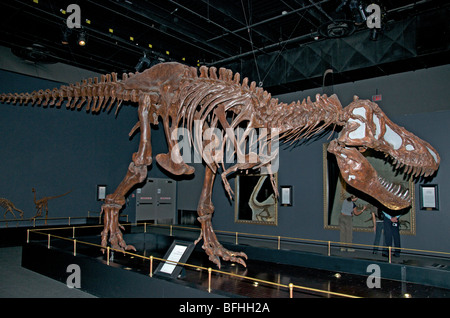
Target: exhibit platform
(268,274)
(14,233)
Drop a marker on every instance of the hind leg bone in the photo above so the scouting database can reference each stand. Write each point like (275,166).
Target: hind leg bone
(137,172)
(113,204)
(211,244)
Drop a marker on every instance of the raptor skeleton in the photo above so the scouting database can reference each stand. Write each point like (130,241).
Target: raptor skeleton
(42,204)
(183,98)
(9,207)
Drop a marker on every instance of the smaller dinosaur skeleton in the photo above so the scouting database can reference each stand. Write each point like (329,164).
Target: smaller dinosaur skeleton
(9,207)
(42,204)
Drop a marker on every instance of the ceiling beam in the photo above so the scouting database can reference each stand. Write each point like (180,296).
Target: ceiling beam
(269,20)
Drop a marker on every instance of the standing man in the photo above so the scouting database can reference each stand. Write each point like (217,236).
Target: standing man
(391,231)
(378,227)
(345,221)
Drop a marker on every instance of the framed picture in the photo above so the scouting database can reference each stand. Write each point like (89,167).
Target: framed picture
(336,190)
(101,192)
(429,197)
(286,195)
(256,201)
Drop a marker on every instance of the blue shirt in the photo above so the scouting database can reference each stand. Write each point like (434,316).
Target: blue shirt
(388,216)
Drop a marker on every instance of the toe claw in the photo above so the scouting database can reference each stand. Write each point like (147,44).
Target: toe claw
(130,247)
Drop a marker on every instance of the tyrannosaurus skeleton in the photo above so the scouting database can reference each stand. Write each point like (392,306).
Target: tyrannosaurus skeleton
(182,98)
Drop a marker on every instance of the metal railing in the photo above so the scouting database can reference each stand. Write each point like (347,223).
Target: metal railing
(236,236)
(291,288)
(69,219)
(326,244)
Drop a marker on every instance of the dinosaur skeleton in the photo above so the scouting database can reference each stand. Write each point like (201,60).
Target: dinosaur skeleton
(42,204)
(9,207)
(182,98)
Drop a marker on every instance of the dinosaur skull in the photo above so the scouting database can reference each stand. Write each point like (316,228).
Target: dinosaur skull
(366,126)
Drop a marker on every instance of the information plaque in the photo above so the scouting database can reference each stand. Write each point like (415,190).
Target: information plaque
(179,251)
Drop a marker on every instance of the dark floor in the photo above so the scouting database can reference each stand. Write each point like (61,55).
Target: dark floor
(18,282)
(343,283)
(324,280)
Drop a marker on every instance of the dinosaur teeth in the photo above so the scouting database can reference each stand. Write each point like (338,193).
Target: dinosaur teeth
(395,189)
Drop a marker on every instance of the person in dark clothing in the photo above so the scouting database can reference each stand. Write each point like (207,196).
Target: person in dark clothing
(391,233)
(378,227)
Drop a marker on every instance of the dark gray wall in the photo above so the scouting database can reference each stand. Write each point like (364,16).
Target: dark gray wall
(56,150)
(414,92)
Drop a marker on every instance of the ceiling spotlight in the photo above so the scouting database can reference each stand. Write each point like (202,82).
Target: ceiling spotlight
(357,11)
(65,37)
(82,39)
(337,29)
(143,63)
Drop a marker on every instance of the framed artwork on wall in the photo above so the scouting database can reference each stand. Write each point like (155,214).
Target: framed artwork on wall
(336,190)
(256,202)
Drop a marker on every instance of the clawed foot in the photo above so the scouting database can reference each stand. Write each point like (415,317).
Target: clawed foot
(216,251)
(112,229)
(116,240)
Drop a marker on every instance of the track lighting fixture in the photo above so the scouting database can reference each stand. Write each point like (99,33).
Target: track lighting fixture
(143,63)
(65,37)
(82,39)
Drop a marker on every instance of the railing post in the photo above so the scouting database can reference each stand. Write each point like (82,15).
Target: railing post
(291,290)
(390,255)
(279,238)
(209,279)
(329,248)
(73,232)
(48,241)
(74,247)
(236,240)
(28,236)
(151,266)
(107,255)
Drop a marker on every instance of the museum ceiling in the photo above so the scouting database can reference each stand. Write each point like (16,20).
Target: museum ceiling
(285,45)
